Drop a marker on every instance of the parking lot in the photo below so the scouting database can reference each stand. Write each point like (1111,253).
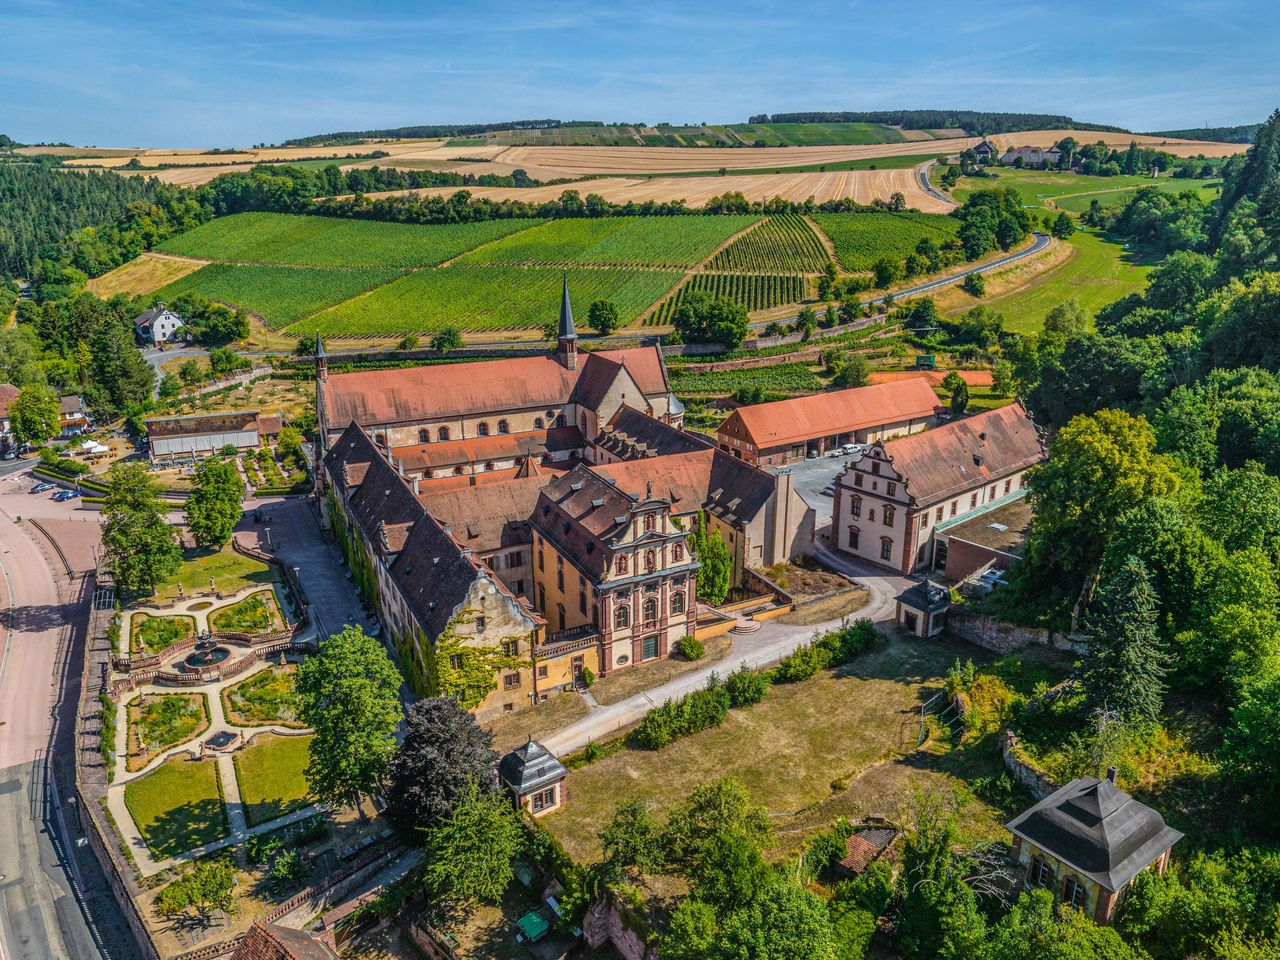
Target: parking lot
(811,476)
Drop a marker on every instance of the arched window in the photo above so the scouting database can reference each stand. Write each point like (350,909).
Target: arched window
(488,465)
(622,617)
(649,522)
(458,471)
(677,553)
(424,435)
(622,565)
(482,429)
(442,434)
(650,610)
(504,427)
(650,561)
(677,602)
(538,423)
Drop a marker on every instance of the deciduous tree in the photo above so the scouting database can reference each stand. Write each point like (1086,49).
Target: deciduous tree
(140,546)
(468,854)
(602,317)
(34,415)
(216,502)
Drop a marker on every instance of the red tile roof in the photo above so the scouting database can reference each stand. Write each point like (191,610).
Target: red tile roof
(502,446)
(785,422)
(486,386)
(865,846)
(8,394)
(965,453)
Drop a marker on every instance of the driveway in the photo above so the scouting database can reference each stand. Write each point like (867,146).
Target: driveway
(811,476)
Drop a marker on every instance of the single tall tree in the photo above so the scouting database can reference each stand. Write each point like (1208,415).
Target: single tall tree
(140,545)
(444,752)
(216,502)
(468,854)
(716,573)
(1123,662)
(34,415)
(602,317)
(349,691)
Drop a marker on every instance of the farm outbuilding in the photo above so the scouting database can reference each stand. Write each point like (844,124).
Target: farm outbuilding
(202,434)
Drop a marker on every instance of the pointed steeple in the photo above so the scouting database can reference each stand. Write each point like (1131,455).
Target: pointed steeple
(567,329)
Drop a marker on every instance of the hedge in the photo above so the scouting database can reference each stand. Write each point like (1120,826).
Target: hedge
(678,718)
(827,650)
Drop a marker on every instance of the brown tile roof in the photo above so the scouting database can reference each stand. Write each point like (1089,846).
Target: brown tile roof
(965,453)
(196,424)
(502,446)
(784,422)
(865,846)
(269,424)
(632,434)
(71,405)
(704,479)
(382,505)
(488,516)
(581,512)
(8,394)
(485,386)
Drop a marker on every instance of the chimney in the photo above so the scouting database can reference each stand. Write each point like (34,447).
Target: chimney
(416,488)
(1111,775)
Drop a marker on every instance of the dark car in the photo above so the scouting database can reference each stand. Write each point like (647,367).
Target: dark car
(65,495)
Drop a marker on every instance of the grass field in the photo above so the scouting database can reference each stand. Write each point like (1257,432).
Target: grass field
(486,298)
(148,272)
(846,727)
(620,241)
(1040,188)
(1099,273)
(280,295)
(178,806)
(1080,202)
(229,570)
(862,238)
(281,238)
(783,243)
(271,772)
(815,134)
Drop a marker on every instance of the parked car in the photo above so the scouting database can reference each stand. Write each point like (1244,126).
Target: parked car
(992,579)
(44,487)
(829,490)
(812,454)
(64,495)
(849,449)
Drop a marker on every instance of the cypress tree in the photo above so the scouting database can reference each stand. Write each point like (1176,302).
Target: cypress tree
(1123,668)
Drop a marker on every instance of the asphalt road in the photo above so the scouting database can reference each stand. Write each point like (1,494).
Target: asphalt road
(39,916)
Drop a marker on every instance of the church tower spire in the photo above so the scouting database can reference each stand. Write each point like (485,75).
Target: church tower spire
(567,335)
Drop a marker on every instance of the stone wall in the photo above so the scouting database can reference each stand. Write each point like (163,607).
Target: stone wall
(1001,636)
(604,924)
(1022,771)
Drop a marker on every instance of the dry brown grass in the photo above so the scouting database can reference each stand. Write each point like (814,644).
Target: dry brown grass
(512,729)
(626,683)
(788,751)
(845,604)
(999,283)
(1119,141)
(148,272)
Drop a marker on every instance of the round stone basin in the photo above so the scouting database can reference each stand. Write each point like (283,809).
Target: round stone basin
(205,658)
(202,605)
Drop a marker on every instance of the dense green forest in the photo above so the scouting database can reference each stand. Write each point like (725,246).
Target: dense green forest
(1241,134)
(429,130)
(973,122)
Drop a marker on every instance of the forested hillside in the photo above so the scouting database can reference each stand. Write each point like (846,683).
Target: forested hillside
(1241,134)
(973,122)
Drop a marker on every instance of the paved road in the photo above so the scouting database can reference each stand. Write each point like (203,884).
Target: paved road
(922,172)
(770,643)
(39,916)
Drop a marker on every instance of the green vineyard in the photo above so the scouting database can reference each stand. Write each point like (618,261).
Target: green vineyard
(782,243)
(783,378)
(280,295)
(615,241)
(861,239)
(753,291)
(486,298)
(281,238)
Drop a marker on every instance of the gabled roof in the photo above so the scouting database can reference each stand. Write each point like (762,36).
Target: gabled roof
(489,516)
(965,453)
(530,767)
(8,394)
(841,411)
(70,405)
(349,456)
(1098,829)
(148,316)
(861,849)
(502,446)
(706,479)
(632,434)
(475,388)
(581,513)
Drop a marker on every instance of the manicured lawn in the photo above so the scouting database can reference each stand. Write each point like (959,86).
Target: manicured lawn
(149,634)
(160,721)
(178,806)
(266,697)
(230,571)
(1100,272)
(257,613)
(272,776)
(789,751)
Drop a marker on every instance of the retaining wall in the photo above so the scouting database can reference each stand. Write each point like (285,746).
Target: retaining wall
(1003,637)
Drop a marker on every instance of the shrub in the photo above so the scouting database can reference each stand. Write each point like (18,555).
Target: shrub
(802,664)
(592,752)
(677,718)
(588,676)
(745,687)
(975,284)
(690,648)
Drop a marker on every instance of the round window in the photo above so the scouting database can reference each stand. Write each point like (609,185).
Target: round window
(623,659)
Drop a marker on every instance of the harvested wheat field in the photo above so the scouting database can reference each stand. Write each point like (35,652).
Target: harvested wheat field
(157,157)
(148,272)
(1119,141)
(860,185)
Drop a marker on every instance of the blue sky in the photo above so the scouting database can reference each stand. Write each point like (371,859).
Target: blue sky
(221,73)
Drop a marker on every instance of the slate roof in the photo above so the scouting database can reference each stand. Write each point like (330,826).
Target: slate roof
(383,505)
(579,510)
(502,446)
(784,422)
(349,456)
(632,434)
(566,331)
(530,767)
(8,394)
(437,391)
(489,516)
(148,316)
(926,596)
(1097,829)
(965,453)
